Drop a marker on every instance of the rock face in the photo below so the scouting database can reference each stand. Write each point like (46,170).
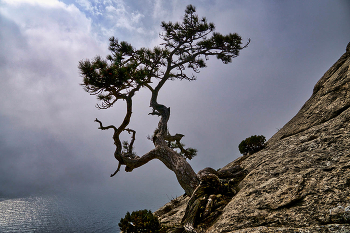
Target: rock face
(301,181)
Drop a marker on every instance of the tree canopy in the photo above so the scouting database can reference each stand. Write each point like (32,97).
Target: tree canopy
(139,221)
(187,45)
(252,144)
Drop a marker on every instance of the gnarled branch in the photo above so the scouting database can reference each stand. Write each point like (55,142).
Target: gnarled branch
(126,70)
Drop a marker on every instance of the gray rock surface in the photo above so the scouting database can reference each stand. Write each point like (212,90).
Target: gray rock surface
(170,215)
(301,181)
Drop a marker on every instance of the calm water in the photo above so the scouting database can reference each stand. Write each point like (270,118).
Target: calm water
(55,214)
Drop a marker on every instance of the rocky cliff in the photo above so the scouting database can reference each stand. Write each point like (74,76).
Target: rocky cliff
(301,181)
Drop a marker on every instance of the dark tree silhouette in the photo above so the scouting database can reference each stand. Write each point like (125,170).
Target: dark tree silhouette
(140,221)
(187,45)
(252,144)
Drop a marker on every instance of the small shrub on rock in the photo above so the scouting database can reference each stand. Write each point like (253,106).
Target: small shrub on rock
(252,144)
(139,221)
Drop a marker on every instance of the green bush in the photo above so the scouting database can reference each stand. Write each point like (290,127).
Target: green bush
(139,221)
(252,144)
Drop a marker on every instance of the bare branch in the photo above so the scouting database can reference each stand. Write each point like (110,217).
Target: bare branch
(132,139)
(132,163)
(187,45)
(107,127)
(118,169)
(149,87)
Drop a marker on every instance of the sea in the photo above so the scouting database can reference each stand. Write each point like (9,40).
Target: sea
(55,214)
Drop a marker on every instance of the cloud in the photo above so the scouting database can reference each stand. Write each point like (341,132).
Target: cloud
(89,7)
(41,48)
(111,17)
(158,11)
(122,18)
(40,92)
(42,3)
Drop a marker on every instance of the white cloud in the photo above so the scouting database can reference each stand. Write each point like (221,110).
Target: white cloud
(42,3)
(117,18)
(123,18)
(41,48)
(88,6)
(163,10)
(158,9)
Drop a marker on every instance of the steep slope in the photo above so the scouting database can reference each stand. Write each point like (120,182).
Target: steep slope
(301,180)
(329,99)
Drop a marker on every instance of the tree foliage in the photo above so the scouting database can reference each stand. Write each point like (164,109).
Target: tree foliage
(139,221)
(252,144)
(186,47)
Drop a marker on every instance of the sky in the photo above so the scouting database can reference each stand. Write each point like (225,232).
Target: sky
(49,142)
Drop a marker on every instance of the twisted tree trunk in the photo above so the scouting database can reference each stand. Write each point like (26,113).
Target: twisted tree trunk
(185,175)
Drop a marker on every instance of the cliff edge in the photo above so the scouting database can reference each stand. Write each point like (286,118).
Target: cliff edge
(301,181)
